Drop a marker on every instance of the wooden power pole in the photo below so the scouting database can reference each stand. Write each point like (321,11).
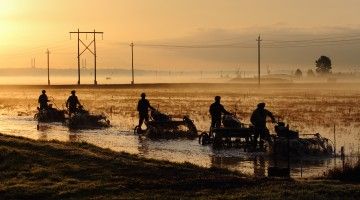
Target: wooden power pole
(48,65)
(259,41)
(132,63)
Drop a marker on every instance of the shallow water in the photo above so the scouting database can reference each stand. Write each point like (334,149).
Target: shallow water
(317,108)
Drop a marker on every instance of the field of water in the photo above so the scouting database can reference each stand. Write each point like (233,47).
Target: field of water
(308,108)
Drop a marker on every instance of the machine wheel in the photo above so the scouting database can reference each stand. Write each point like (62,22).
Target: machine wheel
(204,138)
(136,130)
(218,142)
(152,131)
(190,125)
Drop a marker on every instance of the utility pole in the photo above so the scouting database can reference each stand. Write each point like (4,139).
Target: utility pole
(78,57)
(132,62)
(95,81)
(48,65)
(259,41)
(87,47)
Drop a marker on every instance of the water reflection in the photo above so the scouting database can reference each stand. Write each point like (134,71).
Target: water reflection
(43,136)
(143,147)
(43,128)
(259,166)
(43,131)
(74,137)
(252,164)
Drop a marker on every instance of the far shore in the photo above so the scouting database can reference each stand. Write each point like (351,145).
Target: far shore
(300,85)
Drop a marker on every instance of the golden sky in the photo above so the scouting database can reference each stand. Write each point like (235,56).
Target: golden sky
(29,27)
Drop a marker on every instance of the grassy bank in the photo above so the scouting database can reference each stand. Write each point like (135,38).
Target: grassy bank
(55,170)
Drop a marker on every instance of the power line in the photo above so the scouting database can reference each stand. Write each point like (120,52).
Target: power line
(211,46)
(35,50)
(244,44)
(313,41)
(304,45)
(267,44)
(327,37)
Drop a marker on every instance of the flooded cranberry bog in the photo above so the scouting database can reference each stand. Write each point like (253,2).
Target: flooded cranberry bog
(329,109)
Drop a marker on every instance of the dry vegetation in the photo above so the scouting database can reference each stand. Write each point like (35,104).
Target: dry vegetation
(345,173)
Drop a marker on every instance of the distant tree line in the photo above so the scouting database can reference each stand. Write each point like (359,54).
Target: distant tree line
(322,67)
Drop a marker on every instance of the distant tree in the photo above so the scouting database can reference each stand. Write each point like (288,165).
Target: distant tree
(298,73)
(310,73)
(323,65)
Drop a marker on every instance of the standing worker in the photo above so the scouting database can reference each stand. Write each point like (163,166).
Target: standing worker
(72,103)
(143,109)
(216,109)
(258,119)
(43,100)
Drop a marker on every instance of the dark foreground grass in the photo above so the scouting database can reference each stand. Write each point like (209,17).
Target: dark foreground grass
(346,173)
(56,170)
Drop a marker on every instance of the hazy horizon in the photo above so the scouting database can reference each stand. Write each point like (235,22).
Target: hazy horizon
(182,35)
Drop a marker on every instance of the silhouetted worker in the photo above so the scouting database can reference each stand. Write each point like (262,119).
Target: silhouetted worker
(216,109)
(72,103)
(258,119)
(143,108)
(43,100)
